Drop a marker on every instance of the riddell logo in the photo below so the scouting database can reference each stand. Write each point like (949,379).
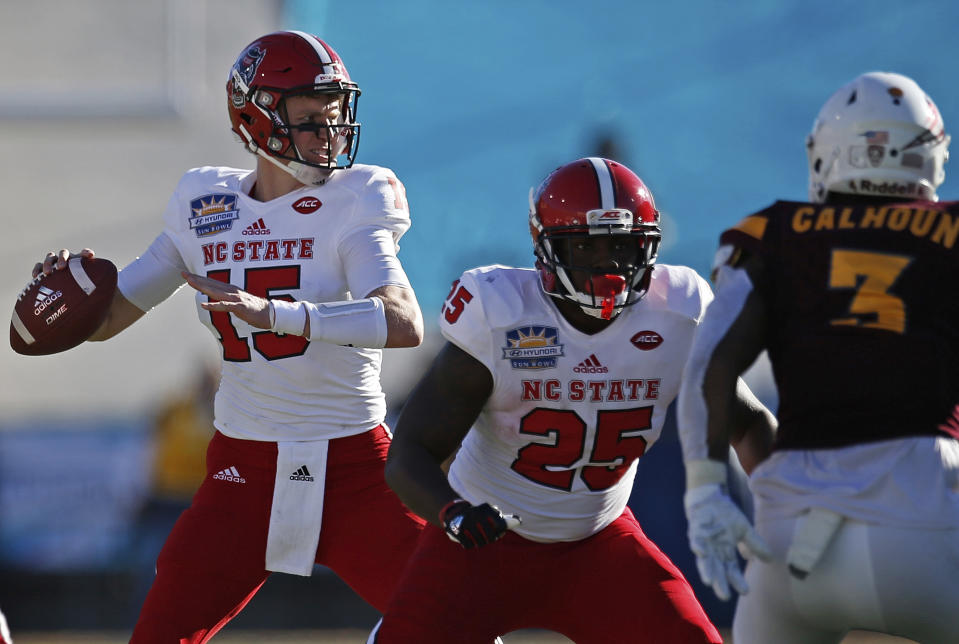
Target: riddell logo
(306,205)
(646,340)
(889,188)
(590,365)
(258,227)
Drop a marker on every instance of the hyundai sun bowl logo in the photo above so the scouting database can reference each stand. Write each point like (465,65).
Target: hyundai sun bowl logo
(307,205)
(646,340)
(212,214)
(532,347)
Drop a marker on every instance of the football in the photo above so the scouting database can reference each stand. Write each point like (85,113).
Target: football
(58,311)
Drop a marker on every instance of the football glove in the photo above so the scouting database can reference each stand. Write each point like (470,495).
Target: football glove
(473,526)
(717,528)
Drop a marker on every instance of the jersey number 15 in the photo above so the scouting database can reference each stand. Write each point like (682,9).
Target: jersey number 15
(259,281)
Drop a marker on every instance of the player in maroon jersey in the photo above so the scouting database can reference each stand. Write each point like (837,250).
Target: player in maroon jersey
(851,296)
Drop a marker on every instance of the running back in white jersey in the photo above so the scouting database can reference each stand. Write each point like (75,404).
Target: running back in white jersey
(569,414)
(298,246)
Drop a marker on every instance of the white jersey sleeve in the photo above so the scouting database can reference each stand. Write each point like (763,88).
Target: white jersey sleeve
(369,246)
(468,327)
(692,415)
(153,276)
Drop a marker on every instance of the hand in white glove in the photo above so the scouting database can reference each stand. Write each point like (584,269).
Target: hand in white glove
(716,529)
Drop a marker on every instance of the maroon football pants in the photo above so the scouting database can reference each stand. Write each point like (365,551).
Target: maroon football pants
(615,586)
(213,561)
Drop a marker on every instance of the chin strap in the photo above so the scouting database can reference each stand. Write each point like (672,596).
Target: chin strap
(307,175)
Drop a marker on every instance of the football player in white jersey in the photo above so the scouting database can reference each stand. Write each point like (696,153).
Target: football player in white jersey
(296,272)
(4,631)
(859,499)
(556,380)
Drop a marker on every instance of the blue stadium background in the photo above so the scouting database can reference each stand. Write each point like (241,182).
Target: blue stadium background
(473,103)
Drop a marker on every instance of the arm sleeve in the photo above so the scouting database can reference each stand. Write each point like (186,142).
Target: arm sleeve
(154,276)
(369,246)
(370,261)
(733,286)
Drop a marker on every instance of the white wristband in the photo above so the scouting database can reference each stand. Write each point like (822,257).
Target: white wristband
(704,472)
(358,323)
(287,317)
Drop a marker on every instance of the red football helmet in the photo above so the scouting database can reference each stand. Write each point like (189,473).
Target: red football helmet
(284,64)
(588,197)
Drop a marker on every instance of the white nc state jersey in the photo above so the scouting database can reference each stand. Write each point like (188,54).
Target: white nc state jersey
(297,247)
(569,414)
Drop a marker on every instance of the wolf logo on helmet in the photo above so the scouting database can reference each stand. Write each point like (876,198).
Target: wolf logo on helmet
(248,63)
(583,199)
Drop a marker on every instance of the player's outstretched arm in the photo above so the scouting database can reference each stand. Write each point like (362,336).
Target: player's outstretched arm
(122,312)
(434,420)
(715,409)
(389,317)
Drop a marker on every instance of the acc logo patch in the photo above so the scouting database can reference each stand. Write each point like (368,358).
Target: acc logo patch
(532,347)
(646,340)
(306,205)
(212,214)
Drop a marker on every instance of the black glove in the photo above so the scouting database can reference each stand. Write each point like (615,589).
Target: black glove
(471,525)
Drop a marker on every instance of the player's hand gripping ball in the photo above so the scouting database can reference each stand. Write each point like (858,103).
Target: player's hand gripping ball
(58,311)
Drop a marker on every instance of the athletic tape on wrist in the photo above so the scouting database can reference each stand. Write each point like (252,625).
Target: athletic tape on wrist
(287,317)
(704,472)
(360,323)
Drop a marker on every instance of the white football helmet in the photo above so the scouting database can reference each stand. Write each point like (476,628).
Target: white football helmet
(879,135)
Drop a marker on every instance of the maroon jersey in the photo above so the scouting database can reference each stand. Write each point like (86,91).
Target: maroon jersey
(862,318)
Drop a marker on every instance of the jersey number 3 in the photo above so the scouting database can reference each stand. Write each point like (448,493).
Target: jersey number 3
(872,275)
(612,452)
(259,281)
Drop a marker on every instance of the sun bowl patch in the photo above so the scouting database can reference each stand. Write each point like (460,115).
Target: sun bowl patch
(532,347)
(212,214)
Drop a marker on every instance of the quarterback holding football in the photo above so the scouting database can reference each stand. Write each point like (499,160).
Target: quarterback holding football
(296,274)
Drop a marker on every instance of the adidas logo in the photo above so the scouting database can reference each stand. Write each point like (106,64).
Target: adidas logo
(45,297)
(258,227)
(301,474)
(590,365)
(229,474)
